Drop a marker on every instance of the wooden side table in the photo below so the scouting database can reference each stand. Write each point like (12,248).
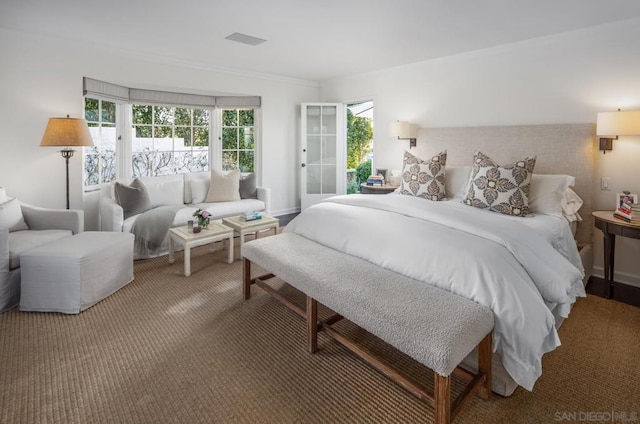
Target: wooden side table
(612,227)
(214,232)
(243,227)
(383,189)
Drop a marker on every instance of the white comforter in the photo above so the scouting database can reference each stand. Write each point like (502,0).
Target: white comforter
(500,262)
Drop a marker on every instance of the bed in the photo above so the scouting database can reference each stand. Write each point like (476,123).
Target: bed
(527,270)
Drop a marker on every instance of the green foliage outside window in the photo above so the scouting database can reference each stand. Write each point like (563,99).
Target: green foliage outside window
(363,171)
(359,138)
(238,142)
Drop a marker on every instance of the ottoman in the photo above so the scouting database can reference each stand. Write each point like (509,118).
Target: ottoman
(71,274)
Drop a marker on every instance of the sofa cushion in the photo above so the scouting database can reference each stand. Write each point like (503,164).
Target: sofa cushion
(248,188)
(21,241)
(165,190)
(217,210)
(11,216)
(196,187)
(134,199)
(224,187)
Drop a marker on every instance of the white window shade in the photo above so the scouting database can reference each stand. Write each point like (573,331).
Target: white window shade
(95,88)
(101,89)
(618,123)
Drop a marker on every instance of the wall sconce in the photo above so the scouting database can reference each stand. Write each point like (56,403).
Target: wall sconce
(402,130)
(616,124)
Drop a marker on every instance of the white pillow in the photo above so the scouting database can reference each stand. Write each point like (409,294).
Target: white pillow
(196,187)
(546,193)
(3,195)
(165,189)
(11,216)
(456,181)
(224,188)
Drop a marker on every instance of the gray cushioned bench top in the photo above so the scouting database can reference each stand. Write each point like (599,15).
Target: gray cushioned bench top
(433,326)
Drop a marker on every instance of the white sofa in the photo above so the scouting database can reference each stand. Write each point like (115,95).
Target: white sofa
(176,190)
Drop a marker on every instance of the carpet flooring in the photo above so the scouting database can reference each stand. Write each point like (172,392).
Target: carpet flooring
(172,349)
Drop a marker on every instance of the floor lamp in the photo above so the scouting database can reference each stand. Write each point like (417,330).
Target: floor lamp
(67,132)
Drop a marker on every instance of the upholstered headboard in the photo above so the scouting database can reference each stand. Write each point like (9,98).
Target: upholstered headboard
(560,149)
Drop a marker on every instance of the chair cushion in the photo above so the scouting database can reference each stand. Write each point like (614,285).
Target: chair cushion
(22,241)
(11,216)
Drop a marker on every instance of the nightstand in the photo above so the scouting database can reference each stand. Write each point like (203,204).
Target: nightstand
(612,227)
(383,189)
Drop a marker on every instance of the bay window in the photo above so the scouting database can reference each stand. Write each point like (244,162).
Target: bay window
(140,133)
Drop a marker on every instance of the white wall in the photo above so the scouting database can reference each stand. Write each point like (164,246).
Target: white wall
(553,80)
(42,78)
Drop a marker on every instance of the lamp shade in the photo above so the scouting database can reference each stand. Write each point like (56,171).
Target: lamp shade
(66,132)
(401,129)
(618,123)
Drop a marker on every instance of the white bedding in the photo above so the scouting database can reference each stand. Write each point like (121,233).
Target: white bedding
(518,267)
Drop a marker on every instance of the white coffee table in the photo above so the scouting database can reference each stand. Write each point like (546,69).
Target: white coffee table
(243,227)
(214,232)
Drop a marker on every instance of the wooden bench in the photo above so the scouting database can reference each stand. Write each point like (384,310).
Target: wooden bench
(433,326)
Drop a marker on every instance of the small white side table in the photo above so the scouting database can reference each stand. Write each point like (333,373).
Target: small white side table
(214,232)
(243,227)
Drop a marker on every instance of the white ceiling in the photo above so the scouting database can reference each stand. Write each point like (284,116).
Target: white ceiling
(307,39)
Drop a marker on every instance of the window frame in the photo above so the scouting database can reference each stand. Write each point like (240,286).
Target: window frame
(124,139)
(154,125)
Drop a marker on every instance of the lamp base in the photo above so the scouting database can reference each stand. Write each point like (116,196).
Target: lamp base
(67,154)
(606,144)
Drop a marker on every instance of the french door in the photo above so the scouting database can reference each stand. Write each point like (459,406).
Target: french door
(323,166)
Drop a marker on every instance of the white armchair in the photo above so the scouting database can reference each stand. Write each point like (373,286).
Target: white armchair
(45,225)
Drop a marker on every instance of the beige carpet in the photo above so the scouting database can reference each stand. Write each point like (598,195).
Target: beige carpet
(170,349)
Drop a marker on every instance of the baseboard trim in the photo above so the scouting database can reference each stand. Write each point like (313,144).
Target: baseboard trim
(621,292)
(285,211)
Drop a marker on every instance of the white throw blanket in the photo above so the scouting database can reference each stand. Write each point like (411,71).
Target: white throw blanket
(497,262)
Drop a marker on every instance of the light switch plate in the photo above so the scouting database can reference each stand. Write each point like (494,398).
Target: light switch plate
(605,183)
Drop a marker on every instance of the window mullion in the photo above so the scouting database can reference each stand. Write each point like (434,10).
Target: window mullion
(125,139)
(215,139)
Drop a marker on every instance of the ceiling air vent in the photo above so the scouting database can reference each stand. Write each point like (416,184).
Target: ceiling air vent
(245,39)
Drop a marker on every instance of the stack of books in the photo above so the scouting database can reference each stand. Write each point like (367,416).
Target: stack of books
(251,216)
(375,180)
(624,212)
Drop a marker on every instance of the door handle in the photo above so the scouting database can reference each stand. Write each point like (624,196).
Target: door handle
(303,165)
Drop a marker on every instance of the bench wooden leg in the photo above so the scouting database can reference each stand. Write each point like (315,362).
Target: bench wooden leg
(442,394)
(312,324)
(246,278)
(484,365)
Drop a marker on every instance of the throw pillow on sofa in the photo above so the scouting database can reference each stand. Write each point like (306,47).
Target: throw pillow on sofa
(248,188)
(11,216)
(224,187)
(198,183)
(134,199)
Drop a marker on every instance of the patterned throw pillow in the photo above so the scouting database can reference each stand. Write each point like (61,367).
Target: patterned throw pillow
(503,189)
(424,179)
